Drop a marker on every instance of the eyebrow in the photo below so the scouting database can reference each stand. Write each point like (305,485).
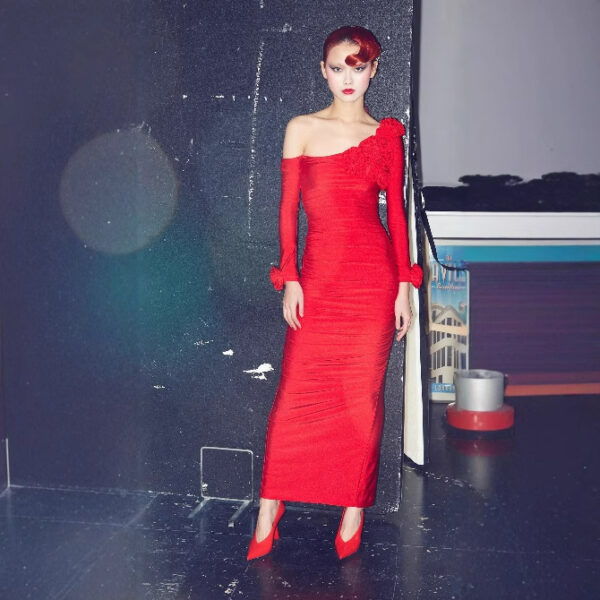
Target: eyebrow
(341,64)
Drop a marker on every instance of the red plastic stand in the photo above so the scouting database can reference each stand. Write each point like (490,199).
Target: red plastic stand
(480,420)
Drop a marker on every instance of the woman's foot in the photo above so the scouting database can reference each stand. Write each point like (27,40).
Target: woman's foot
(270,513)
(350,522)
(347,539)
(266,515)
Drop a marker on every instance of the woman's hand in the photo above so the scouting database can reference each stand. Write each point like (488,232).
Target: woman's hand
(402,310)
(293,303)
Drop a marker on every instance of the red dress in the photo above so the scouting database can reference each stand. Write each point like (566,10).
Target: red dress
(324,428)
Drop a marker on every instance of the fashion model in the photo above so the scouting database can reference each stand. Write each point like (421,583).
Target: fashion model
(342,309)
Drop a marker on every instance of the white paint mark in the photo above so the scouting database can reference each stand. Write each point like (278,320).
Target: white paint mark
(219,96)
(231,587)
(233,97)
(259,372)
(228,352)
(184,96)
(286,28)
(253,130)
(382,198)
(159,387)
(203,342)
(261,3)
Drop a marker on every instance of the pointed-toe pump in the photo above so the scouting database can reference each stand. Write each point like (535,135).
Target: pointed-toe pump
(348,547)
(257,549)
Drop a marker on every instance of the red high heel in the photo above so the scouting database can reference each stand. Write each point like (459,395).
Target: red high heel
(256,548)
(348,547)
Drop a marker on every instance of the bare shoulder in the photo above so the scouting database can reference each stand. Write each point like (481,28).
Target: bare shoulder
(297,132)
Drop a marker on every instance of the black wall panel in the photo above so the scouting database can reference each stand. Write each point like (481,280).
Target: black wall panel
(140,178)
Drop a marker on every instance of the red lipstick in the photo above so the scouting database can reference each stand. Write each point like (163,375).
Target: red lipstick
(348,91)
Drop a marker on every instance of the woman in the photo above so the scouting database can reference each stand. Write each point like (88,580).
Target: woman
(324,429)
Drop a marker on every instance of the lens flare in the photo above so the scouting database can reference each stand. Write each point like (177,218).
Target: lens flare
(119,191)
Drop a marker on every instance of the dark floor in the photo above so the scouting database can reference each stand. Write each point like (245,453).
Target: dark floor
(517,517)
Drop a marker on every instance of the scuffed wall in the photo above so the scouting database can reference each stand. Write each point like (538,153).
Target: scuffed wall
(140,178)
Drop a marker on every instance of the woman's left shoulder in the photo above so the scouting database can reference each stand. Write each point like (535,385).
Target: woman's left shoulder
(391,127)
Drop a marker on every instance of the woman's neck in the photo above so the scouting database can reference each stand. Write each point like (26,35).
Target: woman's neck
(347,112)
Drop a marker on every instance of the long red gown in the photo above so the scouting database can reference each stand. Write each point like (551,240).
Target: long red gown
(324,428)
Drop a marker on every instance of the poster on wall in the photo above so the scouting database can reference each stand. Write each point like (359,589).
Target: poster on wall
(448,322)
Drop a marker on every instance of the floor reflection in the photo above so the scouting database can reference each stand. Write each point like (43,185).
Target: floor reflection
(349,579)
(489,517)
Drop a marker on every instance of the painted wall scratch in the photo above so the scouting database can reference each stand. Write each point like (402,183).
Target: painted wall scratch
(253,130)
(259,372)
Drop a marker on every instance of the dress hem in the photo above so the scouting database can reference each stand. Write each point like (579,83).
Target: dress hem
(308,500)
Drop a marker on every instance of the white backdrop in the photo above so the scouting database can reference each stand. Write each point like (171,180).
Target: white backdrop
(509,87)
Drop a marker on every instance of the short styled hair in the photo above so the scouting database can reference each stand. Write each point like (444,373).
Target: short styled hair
(368,46)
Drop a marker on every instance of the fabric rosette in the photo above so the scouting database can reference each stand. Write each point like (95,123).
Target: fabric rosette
(276,277)
(416,275)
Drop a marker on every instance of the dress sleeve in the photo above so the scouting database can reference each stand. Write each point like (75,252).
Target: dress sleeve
(396,217)
(288,224)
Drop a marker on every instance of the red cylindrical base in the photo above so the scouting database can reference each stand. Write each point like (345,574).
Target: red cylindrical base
(481,420)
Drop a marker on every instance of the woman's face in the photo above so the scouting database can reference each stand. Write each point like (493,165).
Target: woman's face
(345,82)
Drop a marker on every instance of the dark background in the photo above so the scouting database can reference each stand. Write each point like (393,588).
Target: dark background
(140,185)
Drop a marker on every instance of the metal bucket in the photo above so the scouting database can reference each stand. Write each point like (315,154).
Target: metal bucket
(479,389)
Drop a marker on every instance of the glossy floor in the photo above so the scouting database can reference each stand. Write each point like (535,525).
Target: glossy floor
(512,517)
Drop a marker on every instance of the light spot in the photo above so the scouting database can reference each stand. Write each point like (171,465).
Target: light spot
(228,352)
(159,387)
(203,342)
(119,191)
(231,587)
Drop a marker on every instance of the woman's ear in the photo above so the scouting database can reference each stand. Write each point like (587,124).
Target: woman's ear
(374,65)
(323,71)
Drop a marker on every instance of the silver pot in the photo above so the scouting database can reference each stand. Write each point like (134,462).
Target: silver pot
(479,389)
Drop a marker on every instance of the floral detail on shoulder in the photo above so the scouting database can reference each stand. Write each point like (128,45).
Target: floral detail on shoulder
(375,155)
(390,127)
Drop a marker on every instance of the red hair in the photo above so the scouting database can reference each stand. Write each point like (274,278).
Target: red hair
(368,46)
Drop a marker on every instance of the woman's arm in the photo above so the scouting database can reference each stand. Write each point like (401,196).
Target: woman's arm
(396,218)
(397,226)
(287,273)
